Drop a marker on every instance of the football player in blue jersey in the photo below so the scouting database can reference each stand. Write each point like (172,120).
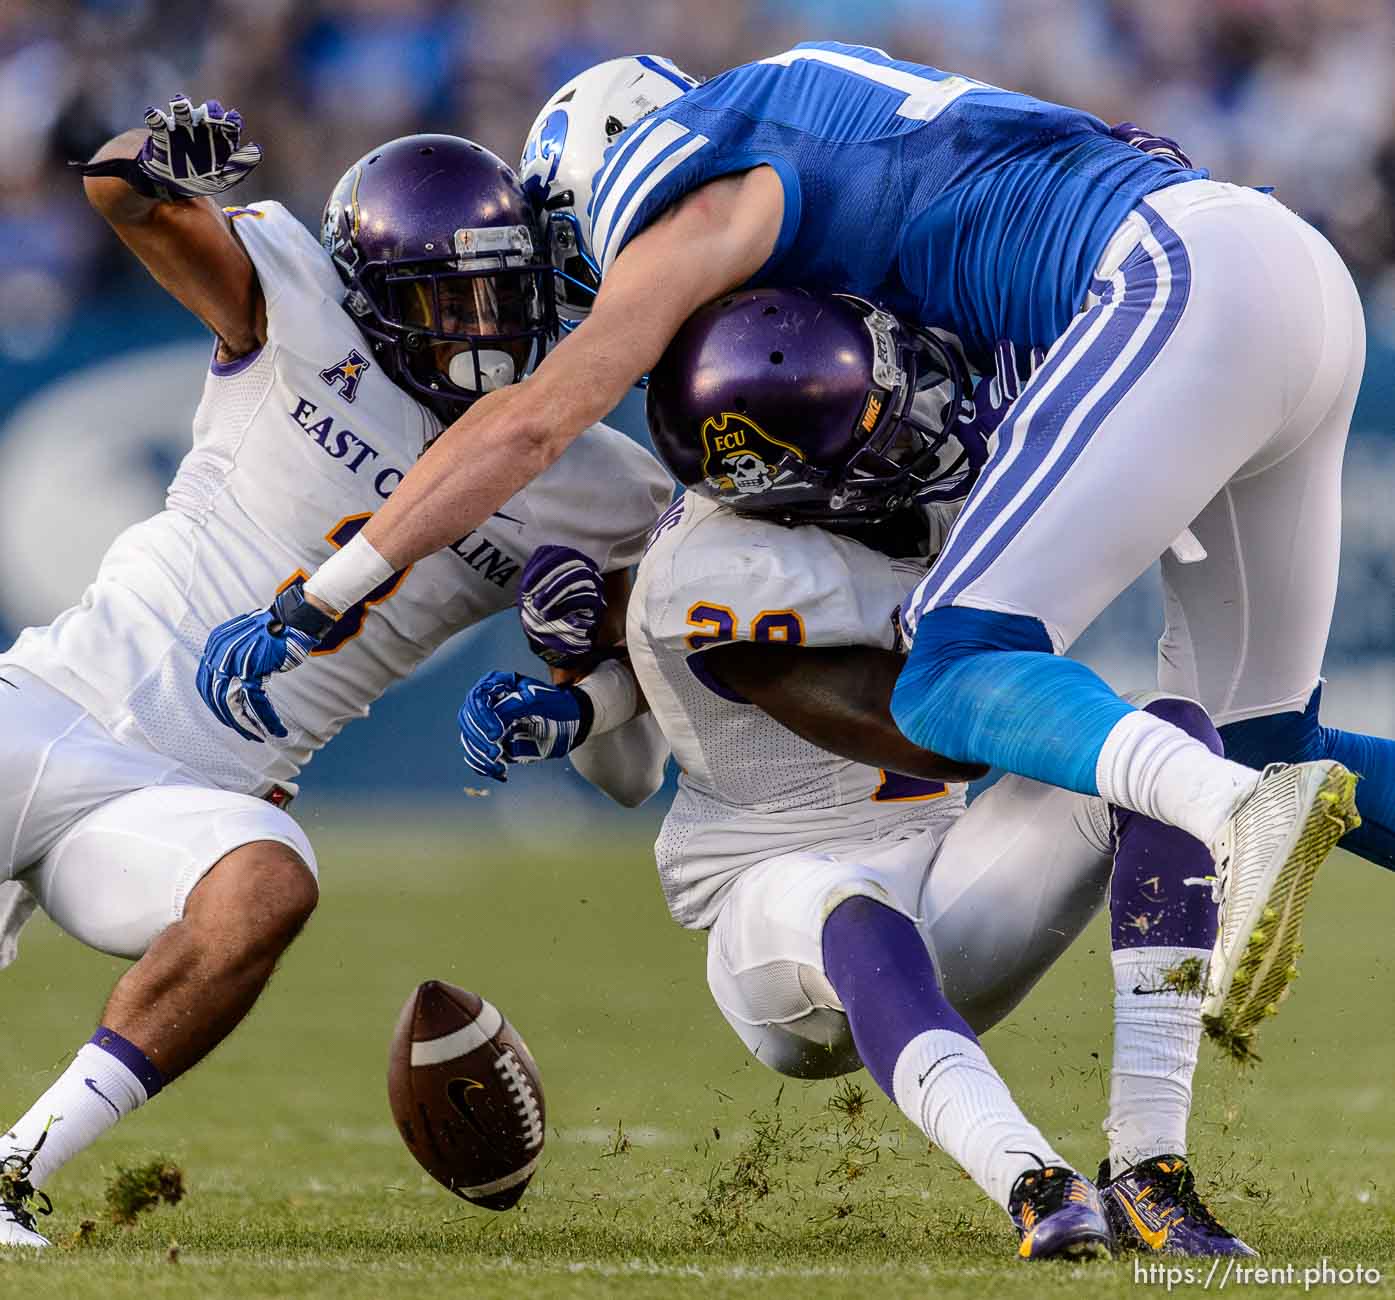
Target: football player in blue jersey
(1204,349)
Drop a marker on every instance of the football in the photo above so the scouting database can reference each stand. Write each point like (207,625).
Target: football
(465,1094)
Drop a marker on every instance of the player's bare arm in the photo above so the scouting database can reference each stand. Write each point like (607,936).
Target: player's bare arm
(715,239)
(835,697)
(183,239)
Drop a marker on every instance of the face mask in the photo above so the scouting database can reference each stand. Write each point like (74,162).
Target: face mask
(497,370)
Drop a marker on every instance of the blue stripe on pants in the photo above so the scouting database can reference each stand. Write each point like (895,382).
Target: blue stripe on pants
(1031,457)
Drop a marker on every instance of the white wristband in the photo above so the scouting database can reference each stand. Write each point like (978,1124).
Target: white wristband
(349,575)
(614,696)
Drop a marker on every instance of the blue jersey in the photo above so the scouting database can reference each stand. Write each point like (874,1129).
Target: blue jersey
(950,202)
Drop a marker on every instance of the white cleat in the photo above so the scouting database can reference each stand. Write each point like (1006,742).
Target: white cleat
(17,1228)
(1266,857)
(17,1196)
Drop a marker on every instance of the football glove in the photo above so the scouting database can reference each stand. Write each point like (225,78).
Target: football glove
(995,393)
(1160,146)
(561,601)
(190,152)
(508,718)
(243,652)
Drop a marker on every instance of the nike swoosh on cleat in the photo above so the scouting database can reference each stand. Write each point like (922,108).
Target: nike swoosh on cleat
(1140,991)
(92,1083)
(9,683)
(1156,1238)
(920,1082)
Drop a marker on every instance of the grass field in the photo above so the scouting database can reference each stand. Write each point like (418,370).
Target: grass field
(674,1167)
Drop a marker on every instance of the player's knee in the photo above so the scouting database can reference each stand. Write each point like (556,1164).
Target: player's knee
(296,891)
(1187,715)
(818,1045)
(263,892)
(789,1018)
(946,639)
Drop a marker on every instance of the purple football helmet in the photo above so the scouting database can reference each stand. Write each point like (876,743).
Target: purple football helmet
(440,251)
(780,403)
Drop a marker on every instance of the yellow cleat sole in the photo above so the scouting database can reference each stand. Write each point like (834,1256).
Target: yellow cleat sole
(1270,962)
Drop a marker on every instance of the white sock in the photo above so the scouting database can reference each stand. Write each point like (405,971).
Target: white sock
(948,1088)
(1156,769)
(89,1097)
(1156,1037)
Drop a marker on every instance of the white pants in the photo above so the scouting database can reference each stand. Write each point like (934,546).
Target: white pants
(108,838)
(1209,383)
(997,900)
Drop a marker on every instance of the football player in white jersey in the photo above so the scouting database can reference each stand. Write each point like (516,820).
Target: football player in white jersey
(142,825)
(858,915)
(1013,219)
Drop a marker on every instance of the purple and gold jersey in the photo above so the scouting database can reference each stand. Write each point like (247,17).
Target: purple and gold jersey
(749,789)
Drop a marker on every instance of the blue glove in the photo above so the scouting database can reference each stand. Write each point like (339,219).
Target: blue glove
(242,653)
(561,601)
(508,718)
(1160,146)
(995,393)
(190,152)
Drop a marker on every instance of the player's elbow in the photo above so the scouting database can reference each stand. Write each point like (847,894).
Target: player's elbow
(111,196)
(638,790)
(539,443)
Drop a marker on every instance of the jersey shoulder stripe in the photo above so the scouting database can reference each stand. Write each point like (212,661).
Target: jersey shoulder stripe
(616,156)
(663,149)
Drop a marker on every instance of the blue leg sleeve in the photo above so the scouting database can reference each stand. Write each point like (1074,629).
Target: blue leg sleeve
(1299,738)
(984,687)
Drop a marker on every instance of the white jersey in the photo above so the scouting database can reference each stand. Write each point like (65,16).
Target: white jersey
(295,446)
(750,789)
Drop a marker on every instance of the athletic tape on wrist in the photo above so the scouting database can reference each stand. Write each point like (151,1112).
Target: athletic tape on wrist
(349,575)
(614,696)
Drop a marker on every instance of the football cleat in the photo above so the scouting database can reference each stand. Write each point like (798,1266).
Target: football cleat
(1058,1215)
(1266,857)
(17,1195)
(1154,1207)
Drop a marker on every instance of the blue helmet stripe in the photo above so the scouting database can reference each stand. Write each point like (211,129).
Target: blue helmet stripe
(666,69)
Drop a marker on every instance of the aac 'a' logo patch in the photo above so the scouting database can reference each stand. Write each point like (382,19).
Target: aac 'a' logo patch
(347,374)
(739,456)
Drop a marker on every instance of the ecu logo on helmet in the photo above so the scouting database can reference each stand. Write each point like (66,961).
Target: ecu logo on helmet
(738,456)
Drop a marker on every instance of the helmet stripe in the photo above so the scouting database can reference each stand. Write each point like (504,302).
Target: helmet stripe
(667,69)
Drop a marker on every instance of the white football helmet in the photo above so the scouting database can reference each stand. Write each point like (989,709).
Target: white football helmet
(565,148)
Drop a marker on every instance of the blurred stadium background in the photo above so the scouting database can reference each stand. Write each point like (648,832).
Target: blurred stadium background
(99,373)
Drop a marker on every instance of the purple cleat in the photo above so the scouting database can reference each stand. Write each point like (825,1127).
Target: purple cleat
(1059,1216)
(1153,1206)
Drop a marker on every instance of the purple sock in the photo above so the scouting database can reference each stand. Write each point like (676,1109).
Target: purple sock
(1149,906)
(878,964)
(131,1057)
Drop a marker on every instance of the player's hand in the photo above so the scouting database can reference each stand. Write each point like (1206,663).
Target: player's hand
(191,151)
(561,602)
(243,652)
(1160,146)
(508,718)
(995,393)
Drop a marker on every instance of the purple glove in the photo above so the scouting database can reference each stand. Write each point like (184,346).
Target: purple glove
(995,393)
(1160,146)
(561,601)
(190,152)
